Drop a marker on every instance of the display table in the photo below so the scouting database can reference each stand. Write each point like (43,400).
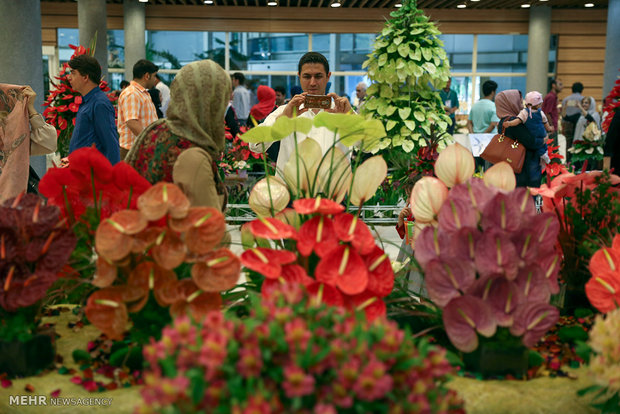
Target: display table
(542,395)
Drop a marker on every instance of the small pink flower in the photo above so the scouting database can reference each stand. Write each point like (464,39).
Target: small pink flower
(250,361)
(296,382)
(297,334)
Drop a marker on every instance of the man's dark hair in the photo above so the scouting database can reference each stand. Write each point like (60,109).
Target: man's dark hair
(239,76)
(552,81)
(488,87)
(142,67)
(577,87)
(87,66)
(124,84)
(313,57)
(280,89)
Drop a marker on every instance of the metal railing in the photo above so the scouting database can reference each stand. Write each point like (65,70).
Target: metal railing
(239,213)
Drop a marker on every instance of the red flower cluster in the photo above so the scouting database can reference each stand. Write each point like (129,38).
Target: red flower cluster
(33,249)
(611,103)
(91,181)
(141,248)
(292,355)
(554,168)
(603,289)
(63,103)
(237,155)
(352,271)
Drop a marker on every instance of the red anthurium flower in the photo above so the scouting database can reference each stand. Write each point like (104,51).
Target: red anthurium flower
(380,273)
(605,260)
(271,228)
(327,294)
(194,301)
(73,107)
(149,276)
(496,254)
(106,310)
(350,228)
(446,280)
(169,250)
(317,205)
(218,272)
(267,262)
(126,178)
(533,321)
(313,232)
(603,290)
(77,99)
(89,162)
(345,269)
(466,316)
(161,199)
(372,306)
(457,214)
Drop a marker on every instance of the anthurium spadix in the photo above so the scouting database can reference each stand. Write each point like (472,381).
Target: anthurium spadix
(352,128)
(300,169)
(454,165)
(368,177)
(501,176)
(267,194)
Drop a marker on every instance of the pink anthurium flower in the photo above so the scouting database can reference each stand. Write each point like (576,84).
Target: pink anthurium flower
(532,284)
(504,297)
(496,254)
(551,264)
(427,197)
(533,321)
(430,244)
(446,280)
(466,316)
(455,165)
(501,213)
(501,176)
(457,214)
(473,192)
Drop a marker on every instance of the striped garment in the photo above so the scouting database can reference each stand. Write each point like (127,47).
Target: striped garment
(134,103)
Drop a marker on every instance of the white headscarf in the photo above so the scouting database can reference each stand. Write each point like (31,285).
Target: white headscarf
(582,123)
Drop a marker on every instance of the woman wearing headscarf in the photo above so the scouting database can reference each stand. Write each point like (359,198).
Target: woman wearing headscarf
(508,104)
(183,147)
(266,104)
(588,115)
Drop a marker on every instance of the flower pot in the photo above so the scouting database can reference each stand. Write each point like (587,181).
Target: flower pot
(22,359)
(492,359)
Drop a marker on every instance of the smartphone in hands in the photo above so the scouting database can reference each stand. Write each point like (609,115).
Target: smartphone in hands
(318,101)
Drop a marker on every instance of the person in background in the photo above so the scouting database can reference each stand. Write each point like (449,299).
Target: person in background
(509,103)
(360,92)
(230,118)
(266,104)
(136,110)
(156,98)
(124,84)
(587,115)
(183,147)
(450,104)
(571,112)
(550,107)
(94,122)
(280,95)
(482,117)
(241,98)
(165,94)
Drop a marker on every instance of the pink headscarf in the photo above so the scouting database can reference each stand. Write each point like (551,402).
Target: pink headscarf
(508,103)
(266,102)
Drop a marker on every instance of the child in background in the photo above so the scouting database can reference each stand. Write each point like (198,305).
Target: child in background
(535,121)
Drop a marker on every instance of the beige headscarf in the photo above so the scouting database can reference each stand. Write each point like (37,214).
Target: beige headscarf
(508,103)
(199,96)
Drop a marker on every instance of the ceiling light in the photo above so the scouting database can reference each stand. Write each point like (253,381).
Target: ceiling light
(525,6)
(208,1)
(544,0)
(397,5)
(461,6)
(272,3)
(143,1)
(335,3)
(475,0)
(588,5)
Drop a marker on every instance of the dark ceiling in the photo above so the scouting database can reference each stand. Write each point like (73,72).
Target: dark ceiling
(374,4)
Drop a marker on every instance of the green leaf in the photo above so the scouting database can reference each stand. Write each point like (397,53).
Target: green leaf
(583,312)
(408,146)
(429,67)
(452,357)
(258,134)
(404,113)
(390,124)
(419,116)
(403,50)
(197,384)
(80,355)
(392,48)
(168,366)
(398,40)
(410,124)
(427,53)
(382,60)
(589,389)
(572,333)
(390,110)
(535,359)
(583,350)
(285,126)
(386,91)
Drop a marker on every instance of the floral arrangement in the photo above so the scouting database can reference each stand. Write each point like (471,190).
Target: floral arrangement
(555,167)
(292,355)
(612,103)
(237,156)
(140,250)
(488,259)
(34,246)
(590,147)
(63,103)
(588,211)
(603,288)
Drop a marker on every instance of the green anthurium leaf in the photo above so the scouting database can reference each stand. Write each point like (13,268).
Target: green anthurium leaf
(408,146)
(416,31)
(403,50)
(371,104)
(405,131)
(390,110)
(386,91)
(400,64)
(416,137)
(382,60)
(398,40)
(392,48)
(418,71)
(404,113)
(429,67)
(365,64)
(368,129)
(390,124)
(442,125)
(410,124)
(285,126)
(338,122)
(427,53)
(419,116)
(258,134)
(426,128)
(398,140)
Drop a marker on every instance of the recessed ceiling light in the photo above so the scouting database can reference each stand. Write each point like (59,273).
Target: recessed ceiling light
(588,5)
(543,0)
(143,1)
(272,3)
(335,3)
(461,6)
(397,5)
(208,1)
(475,0)
(525,6)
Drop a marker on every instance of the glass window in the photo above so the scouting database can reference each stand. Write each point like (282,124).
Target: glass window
(502,53)
(267,51)
(116,48)
(460,51)
(463,87)
(162,47)
(344,51)
(67,37)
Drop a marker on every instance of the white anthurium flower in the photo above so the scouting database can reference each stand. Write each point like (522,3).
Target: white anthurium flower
(454,165)
(600,150)
(334,175)
(427,197)
(589,150)
(368,177)
(262,193)
(307,159)
(502,176)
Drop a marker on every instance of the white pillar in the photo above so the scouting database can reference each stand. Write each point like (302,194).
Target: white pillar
(134,24)
(612,50)
(539,37)
(21,50)
(92,21)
